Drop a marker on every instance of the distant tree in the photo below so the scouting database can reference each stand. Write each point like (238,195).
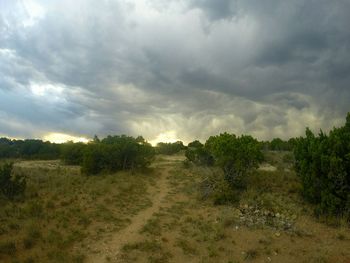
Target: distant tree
(28,149)
(170,148)
(278,144)
(195,144)
(96,139)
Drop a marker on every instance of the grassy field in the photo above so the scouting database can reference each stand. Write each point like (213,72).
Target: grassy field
(165,215)
(64,212)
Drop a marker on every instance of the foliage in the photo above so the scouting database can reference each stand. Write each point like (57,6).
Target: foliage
(198,154)
(72,153)
(115,153)
(323,164)
(195,144)
(11,186)
(28,149)
(277,144)
(235,155)
(169,148)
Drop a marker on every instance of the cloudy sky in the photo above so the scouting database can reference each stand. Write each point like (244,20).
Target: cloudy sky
(173,69)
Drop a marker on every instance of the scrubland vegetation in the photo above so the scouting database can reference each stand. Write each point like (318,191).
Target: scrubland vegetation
(229,199)
(63,212)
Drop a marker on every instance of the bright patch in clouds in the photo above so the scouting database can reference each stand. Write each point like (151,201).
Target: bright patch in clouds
(168,136)
(34,12)
(62,138)
(45,89)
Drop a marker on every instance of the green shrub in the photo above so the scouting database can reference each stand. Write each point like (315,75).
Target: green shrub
(237,156)
(323,164)
(116,153)
(11,186)
(197,154)
(72,153)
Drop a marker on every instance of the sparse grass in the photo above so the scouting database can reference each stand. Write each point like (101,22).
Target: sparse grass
(64,213)
(150,246)
(319,259)
(251,254)
(186,247)
(152,227)
(341,236)
(63,209)
(150,249)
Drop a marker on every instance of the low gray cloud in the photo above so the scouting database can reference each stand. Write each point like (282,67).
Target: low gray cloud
(216,10)
(190,68)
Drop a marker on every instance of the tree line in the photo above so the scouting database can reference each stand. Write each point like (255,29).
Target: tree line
(29,149)
(71,152)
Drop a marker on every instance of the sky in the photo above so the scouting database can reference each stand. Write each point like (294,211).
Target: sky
(172,69)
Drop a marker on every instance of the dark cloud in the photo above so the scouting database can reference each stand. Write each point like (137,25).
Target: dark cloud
(192,68)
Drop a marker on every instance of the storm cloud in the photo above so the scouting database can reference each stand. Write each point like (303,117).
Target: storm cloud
(187,69)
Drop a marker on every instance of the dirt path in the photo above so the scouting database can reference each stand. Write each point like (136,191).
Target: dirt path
(110,249)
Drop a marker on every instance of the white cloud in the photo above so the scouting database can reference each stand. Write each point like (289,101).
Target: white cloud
(34,11)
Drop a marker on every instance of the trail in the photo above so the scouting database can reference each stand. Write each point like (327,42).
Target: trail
(111,248)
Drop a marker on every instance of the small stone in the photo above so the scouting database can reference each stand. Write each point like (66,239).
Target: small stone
(268,259)
(278,215)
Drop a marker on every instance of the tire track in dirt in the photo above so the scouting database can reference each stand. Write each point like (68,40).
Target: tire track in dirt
(111,249)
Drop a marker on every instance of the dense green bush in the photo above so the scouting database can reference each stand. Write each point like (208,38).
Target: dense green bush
(72,153)
(116,153)
(323,164)
(237,156)
(11,186)
(198,154)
